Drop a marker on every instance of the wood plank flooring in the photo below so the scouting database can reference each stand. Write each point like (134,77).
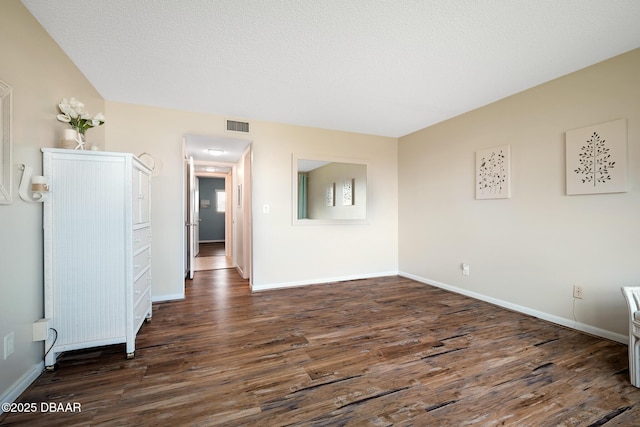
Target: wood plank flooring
(212,257)
(376,352)
(211,249)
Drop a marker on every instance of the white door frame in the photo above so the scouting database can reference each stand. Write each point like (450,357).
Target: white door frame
(191,219)
(231,236)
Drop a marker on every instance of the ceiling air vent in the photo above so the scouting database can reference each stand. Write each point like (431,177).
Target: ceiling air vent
(235,126)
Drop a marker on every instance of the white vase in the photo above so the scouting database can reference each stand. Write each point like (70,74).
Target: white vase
(73,139)
(81,141)
(69,138)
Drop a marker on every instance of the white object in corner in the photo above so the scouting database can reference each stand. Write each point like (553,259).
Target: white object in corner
(97,249)
(40,330)
(632,297)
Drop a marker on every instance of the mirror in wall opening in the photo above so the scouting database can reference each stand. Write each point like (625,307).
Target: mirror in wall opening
(329,190)
(5,143)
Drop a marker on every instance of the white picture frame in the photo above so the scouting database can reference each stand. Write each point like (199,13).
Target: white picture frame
(493,173)
(347,192)
(5,143)
(596,158)
(331,194)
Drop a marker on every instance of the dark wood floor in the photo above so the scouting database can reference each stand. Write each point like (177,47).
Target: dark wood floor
(377,352)
(212,257)
(211,249)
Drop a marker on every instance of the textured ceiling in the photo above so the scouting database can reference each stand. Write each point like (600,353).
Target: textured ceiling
(381,67)
(230,149)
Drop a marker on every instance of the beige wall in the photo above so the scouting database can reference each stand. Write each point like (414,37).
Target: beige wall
(528,251)
(337,173)
(40,75)
(283,254)
(291,255)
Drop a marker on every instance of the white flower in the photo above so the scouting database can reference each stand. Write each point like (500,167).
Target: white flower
(74,113)
(64,107)
(75,104)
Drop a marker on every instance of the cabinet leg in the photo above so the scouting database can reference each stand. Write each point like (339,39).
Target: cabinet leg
(51,368)
(131,355)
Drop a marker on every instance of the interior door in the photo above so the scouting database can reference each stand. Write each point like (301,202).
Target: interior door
(196,218)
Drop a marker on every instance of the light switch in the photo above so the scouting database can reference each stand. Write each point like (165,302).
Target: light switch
(265,209)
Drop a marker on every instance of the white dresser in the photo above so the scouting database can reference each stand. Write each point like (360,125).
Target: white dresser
(97,249)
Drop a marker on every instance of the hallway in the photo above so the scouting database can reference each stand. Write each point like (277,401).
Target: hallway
(212,257)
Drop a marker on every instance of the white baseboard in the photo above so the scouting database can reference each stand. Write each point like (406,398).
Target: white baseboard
(21,385)
(321,281)
(163,298)
(569,323)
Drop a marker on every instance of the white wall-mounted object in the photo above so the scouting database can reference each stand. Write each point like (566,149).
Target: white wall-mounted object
(465,269)
(347,192)
(39,185)
(329,190)
(632,297)
(5,142)
(493,173)
(97,249)
(40,330)
(597,158)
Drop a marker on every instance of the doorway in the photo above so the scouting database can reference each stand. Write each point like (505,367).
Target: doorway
(211,253)
(232,162)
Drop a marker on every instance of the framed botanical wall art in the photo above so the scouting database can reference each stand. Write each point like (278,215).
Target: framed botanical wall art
(597,158)
(347,192)
(331,196)
(493,173)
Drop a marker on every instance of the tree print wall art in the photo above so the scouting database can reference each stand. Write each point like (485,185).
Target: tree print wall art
(493,173)
(597,158)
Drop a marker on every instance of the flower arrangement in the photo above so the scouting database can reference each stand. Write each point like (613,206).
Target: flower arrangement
(73,112)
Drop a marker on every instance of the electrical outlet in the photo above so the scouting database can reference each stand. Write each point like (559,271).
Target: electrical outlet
(8,345)
(40,330)
(465,269)
(578,292)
